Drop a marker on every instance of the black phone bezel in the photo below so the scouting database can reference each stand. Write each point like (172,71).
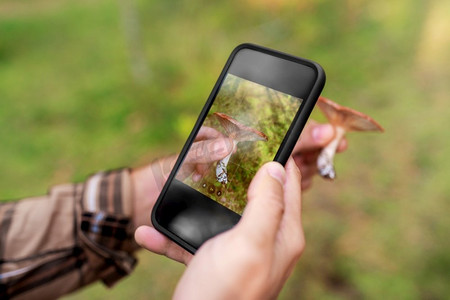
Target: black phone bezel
(286,146)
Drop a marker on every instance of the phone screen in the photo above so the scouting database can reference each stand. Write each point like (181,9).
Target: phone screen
(259,105)
(254,120)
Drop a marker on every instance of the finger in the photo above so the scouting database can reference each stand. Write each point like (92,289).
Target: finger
(308,158)
(196,177)
(307,183)
(208,133)
(307,168)
(152,240)
(293,199)
(311,155)
(291,226)
(202,169)
(209,150)
(308,171)
(343,145)
(264,211)
(314,136)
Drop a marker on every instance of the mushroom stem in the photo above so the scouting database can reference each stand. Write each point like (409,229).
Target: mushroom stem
(221,168)
(326,156)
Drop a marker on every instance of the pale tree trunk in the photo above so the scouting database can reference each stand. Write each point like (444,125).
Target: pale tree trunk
(433,51)
(131,28)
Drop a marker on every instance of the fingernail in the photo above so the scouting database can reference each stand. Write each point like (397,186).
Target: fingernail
(276,171)
(323,133)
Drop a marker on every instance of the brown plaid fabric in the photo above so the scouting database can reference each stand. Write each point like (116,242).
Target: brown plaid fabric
(77,234)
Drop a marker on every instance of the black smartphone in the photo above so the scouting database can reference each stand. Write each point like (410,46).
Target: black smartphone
(259,105)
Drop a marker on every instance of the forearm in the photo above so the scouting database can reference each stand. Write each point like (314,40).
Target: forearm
(75,235)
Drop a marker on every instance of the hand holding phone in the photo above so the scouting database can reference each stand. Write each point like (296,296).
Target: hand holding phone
(260,251)
(256,112)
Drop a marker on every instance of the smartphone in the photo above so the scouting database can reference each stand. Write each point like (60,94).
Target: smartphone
(256,111)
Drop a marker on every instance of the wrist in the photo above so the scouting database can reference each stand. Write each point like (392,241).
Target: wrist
(148,182)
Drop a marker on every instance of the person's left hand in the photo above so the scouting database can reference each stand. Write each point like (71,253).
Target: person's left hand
(150,179)
(314,138)
(210,146)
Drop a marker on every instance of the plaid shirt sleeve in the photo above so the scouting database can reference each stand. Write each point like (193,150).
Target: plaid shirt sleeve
(77,234)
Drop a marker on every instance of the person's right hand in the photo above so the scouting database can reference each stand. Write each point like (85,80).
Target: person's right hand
(254,259)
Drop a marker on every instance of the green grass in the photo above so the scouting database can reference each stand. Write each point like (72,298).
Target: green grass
(69,106)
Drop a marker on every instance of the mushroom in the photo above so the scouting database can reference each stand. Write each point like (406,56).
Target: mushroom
(238,133)
(343,119)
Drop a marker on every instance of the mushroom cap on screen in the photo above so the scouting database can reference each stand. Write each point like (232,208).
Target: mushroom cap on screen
(349,119)
(237,131)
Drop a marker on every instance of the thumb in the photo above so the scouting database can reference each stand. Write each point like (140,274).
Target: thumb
(265,208)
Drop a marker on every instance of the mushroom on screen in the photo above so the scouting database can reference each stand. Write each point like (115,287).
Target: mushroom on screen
(343,119)
(238,133)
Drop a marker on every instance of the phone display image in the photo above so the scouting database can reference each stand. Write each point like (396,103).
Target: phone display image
(254,119)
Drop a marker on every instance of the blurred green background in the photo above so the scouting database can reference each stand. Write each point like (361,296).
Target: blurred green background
(92,85)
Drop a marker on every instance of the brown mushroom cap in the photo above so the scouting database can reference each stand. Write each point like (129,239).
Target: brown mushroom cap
(237,131)
(349,119)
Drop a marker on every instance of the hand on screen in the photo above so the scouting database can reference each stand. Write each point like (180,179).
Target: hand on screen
(210,146)
(260,251)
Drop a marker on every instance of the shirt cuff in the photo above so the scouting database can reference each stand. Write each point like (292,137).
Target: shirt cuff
(110,192)
(106,225)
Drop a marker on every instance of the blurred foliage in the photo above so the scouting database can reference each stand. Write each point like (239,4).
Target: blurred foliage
(70,106)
